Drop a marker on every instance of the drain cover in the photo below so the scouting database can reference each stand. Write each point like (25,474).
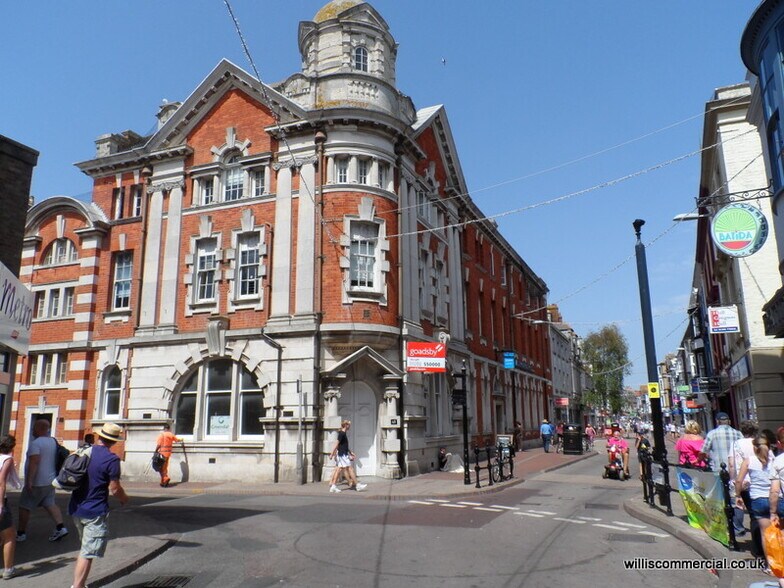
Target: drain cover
(626,537)
(168,582)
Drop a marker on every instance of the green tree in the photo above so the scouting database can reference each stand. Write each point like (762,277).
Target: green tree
(607,353)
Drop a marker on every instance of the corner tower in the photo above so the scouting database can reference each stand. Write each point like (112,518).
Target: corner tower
(348,60)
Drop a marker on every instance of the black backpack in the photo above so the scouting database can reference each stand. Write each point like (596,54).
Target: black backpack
(74,471)
(60,456)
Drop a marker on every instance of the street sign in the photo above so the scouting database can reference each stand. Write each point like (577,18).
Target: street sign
(425,357)
(510,360)
(723,319)
(653,390)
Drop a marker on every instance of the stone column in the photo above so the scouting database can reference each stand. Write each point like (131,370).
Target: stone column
(151,261)
(281,251)
(331,423)
(171,257)
(306,238)
(330,169)
(374,173)
(391,425)
(352,170)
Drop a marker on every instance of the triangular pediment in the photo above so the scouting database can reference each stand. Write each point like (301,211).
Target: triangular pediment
(224,78)
(434,118)
(364,13)
(368,354)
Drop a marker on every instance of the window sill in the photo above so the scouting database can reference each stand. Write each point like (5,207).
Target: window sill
(49,319)
(114,316)
(27,387)
(56,265)
(365,294)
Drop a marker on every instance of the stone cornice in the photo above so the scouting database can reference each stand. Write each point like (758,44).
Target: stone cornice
(165,186)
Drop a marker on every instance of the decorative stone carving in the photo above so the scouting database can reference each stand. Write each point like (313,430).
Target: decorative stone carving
(165,186)
(296,162)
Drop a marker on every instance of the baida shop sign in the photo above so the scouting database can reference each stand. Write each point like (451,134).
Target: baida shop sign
(739,230)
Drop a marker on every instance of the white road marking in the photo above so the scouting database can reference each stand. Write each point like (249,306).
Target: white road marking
(505,507)
(569,520)
(544,512)
(471,503)
(652,534)
(454,505)
(613,527)
(420,502)
(629,525)
(488,509)
(530,514)
(588,519)
(438,500)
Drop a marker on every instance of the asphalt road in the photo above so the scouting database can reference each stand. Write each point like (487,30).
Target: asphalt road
(564,528)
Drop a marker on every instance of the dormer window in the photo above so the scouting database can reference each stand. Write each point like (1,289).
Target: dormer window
(360,59)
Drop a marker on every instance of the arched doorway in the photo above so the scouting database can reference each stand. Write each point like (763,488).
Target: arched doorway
(358,404)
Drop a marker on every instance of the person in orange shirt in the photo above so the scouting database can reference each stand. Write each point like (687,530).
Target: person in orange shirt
(164,446)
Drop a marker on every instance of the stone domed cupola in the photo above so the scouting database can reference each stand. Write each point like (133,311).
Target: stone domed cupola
(348,59)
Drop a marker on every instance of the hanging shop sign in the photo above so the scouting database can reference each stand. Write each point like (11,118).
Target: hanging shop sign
(739,230)
(425,357)
(16,312)
(723,319)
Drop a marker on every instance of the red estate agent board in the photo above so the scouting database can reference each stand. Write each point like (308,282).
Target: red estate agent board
(425,357)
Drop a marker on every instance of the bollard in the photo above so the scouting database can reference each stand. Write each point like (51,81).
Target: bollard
(649,480)
(476,465)
(667,487)
(729,511)
(511,465)
(489,466)
(643,456)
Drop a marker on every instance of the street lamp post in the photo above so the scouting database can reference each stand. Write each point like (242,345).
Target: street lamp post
(460,396)
(659,449)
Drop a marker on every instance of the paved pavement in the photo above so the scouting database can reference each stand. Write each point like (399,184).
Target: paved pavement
(137,538)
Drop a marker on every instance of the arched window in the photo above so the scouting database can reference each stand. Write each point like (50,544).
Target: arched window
(360,59)
(220,400)
(112,386)
(234,179)
(61,251)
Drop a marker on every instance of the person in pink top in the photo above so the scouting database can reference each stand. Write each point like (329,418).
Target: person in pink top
(617,444)
(689,446)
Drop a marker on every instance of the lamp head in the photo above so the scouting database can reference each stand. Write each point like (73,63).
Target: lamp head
(637,224)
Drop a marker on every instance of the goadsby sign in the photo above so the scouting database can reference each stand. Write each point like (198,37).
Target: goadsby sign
(739,230)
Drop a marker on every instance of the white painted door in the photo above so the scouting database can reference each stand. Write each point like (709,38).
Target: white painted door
(358,404)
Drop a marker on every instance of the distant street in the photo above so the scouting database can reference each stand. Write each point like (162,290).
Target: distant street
(565,528)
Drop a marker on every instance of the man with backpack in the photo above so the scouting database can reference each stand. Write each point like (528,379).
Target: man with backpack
(40,470)
(89,504)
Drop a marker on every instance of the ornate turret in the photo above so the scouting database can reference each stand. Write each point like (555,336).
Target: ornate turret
(348,59)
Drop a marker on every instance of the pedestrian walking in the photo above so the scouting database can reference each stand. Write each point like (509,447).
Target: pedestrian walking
(689,446)
(8,476)
(40,470)
(716,450)
(755,473)
(518,436)
(344,459)
(89,504)
(546,432)
(163,445)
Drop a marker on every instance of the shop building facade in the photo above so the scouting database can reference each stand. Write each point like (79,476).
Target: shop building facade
(252,272)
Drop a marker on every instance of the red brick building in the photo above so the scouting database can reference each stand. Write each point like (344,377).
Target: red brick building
(252,271)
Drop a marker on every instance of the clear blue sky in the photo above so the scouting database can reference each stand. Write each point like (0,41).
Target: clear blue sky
(527,86)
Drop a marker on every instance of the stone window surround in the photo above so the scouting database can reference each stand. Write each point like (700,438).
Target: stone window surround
(46,291)
(205,232)
(366,214)
(231,255)
(353,170)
